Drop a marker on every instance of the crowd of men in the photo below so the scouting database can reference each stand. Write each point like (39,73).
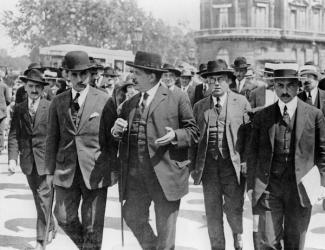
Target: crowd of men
(83,133)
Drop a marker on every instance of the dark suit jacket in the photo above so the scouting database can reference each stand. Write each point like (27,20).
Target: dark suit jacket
(309,147)
(246,90)
(257,97)
(321,99)
(167,109)
(237,108)
(4,99)
(66,144)
(198,93)
(28,140)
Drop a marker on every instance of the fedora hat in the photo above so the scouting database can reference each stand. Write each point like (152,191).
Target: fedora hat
(218,67)
(147,61)
(240,63)
(109,71)
(172,69)
(186,73)
(34,75)
(309,69)
(34,65)
(77,61)
(202,68)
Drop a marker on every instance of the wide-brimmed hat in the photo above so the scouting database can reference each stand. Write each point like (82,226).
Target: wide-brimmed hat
(109,71)
(218,67)
(240,63)
(77,61)
(285,71)
(202,68)
(309,69)
(186,73)
(171,68)
(34,65)
(34,75)
(147,61)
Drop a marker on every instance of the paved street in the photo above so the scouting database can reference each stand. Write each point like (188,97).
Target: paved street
(18,218)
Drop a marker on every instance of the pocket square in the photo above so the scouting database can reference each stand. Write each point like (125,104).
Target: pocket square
(95,114)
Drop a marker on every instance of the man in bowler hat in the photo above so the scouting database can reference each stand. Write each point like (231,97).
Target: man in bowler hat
(156,127)
(287,145)
(27,136)
(218,159)
(74,156)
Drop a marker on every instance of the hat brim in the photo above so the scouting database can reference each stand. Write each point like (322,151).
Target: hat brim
(215,73)
(284,77)
(175,71)
(109,75)
(26,79)
(80,68)
(146,68)
(311,73)
(245,66)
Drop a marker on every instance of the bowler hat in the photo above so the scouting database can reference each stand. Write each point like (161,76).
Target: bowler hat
(77,61)
(109,71)
(34,75)
(172,69)
(218,67)
(147,61)
(240,63)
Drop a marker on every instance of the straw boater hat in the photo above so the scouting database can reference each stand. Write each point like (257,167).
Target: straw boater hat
(34,75)
(217,68)
(147,61)
(240,63)
(186,73)
(77,61)
(286,71)
(309,69)
(269,68)
(172,69)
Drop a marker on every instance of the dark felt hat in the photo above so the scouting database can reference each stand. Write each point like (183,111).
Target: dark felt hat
(147,61)
(218,67)
(240,63)
(77,61)
(109,71)
(172,69)
(34,75)
(202,68)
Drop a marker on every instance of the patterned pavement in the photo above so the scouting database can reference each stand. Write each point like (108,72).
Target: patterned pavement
(18,218)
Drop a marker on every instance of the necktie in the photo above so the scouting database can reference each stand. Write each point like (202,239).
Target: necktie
(75,108)
(75,102)
(218,106)
(32,110)
(286,117)
(144,102)
(309,99)
(183,89)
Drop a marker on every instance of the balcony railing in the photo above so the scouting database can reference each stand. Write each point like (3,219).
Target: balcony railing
(259,33)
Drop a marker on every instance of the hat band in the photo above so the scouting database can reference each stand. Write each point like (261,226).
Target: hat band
(285,73)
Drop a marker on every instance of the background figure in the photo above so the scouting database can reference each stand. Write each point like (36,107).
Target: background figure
(186,84)
(5,99)
(170,77)
(27,136)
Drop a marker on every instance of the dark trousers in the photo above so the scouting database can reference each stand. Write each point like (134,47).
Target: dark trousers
(281,216)
(42,194)
(2,133)
(222,192)
(142,188)
(88,233)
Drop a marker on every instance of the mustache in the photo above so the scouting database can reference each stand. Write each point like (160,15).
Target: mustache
(35,93)
(285,95)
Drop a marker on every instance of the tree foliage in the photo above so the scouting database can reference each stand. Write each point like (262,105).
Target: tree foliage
(106,24)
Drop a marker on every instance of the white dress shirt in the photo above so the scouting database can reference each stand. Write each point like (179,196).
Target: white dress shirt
(291,106)
(184,89)
(270,97)
(83,94)
(240,84)
(35,105)
(223,99)
(313,93)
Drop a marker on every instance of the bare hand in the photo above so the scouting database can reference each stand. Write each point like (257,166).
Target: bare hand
(120,126)
(12,166)
(167,138)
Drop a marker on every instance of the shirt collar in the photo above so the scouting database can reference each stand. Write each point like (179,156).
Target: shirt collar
(313,93)
(82,92)
(151,93)
(291,106)
(36,102)
(222,99)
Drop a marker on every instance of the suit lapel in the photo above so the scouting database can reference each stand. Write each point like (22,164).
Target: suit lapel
(160,95)
(89,106)
(272,119)
(134,101)
(300,119)
(67,103)
(39,113)
(26,116)
(321,99)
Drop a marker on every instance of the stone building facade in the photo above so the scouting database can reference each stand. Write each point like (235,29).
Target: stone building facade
(262,30)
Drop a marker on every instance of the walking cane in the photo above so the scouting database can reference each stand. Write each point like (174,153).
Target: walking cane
(48,219)
(121,193)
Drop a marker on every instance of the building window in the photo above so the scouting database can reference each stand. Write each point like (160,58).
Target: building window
(302,19)
(294,54)
(261,16)
(223,17)
(316,20)
(242,16)
(293,19)
(316,57)
(223,54)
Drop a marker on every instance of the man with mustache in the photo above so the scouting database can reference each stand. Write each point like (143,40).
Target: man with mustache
(287,141)
(27,136)
(74,156)
(218,159)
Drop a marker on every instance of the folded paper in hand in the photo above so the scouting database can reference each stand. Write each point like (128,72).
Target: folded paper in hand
(312,184)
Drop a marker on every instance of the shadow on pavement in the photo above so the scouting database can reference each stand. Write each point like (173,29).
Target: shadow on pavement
(184,248)
(317,208)
(15,224)
(192,215)
(195,190)
(114,199)
(195,201)
(20,196)
(115,223)
(15,242)
(318,230)
(13,186)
